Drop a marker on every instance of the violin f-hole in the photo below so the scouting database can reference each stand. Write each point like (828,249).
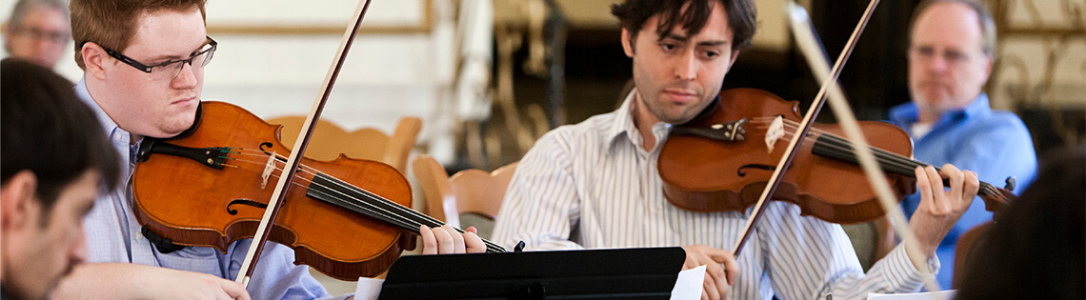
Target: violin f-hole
(741,173)
(234,212)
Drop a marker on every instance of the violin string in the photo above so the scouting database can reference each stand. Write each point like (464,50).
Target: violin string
(902,164)
(905,164)
(890,161)
(261,154)
(276,175)
(298,177)
(403,210)
(887,158)
(843,146)
(403,219)
(765,121)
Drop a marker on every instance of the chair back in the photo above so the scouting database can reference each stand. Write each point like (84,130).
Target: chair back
(480,192)
(329,140)
(473,191)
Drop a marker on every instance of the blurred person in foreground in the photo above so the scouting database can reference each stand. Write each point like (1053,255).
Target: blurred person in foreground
(55,160)
(1036,248)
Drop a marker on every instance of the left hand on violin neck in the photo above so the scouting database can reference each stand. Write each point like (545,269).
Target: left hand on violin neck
(940,208)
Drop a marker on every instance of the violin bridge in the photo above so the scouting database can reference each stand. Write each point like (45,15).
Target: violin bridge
(774,133)
(268,168)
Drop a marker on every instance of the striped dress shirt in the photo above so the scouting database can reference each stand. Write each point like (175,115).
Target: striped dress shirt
(592,185)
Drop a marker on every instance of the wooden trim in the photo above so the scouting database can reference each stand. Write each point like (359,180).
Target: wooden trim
(312,30)
(1044,31)
(424,27)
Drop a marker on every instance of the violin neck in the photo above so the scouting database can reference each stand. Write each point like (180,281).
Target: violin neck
(838,148)
(337,192)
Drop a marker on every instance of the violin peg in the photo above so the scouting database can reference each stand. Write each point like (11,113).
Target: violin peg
(1010,183)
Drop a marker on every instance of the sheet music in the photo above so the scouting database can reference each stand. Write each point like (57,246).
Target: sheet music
(688,285)
(368,288)
(948,294)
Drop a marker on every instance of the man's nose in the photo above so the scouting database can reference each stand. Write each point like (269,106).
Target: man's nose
(78,253)
(938,63)
(687,66)
(186,78)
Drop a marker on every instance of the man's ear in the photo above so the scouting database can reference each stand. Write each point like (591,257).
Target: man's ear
(17,201)
(988,61)
(7,31)
(627,43)
(94,57)
(735,56)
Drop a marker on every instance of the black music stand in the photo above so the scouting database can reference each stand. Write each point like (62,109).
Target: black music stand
(644,273)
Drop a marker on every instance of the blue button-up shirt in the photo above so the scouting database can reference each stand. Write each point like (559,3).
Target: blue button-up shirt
(993,143)
(113,236)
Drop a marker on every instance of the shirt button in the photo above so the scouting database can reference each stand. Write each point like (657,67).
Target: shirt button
(139,237)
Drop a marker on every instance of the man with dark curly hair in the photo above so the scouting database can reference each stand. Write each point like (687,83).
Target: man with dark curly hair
(596,184)
(54,160)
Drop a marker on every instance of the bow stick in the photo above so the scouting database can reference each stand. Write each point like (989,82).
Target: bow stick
(300,145)
(802,30)
(874,174)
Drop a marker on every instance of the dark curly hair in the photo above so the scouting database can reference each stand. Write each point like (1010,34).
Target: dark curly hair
(741,17)
(49,131)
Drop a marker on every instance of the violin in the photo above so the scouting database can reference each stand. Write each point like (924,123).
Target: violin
(210,186)
(703,172)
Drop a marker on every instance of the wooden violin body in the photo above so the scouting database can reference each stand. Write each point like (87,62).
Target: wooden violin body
(706,175)
(204,198)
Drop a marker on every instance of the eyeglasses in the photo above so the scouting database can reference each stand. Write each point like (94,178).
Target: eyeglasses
(170,69)
(927,53)
(35,33)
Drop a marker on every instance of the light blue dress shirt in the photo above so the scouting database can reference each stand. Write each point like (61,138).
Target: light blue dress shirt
(113,236)
(993,143)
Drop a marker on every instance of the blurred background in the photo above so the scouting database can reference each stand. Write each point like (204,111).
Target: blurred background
(488,77)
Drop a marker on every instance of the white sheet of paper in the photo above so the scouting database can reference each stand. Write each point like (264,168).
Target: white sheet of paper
(688,285)
(368,288)
(946,295)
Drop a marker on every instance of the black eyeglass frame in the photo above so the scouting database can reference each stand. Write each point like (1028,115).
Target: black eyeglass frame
(147,69)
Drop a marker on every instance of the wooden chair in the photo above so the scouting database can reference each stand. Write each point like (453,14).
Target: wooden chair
(329,140)
(871,240)
(468,191)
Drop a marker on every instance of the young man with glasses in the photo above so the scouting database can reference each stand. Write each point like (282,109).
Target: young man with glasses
(143,63)
(952,47)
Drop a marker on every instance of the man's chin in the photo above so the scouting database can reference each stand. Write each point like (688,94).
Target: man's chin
(677,119)
(173,130)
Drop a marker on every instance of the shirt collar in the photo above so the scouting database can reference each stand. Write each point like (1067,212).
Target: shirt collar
(623,121)
(623,125)
(115,133)
(908,113)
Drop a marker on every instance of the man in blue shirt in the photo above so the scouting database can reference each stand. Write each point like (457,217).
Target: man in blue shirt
(952,46)
(143,65)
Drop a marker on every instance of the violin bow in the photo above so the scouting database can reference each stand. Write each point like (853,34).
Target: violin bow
(276,201)
(802,30)
(848,122)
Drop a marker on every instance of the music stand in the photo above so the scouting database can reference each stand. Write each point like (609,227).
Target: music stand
(643,273)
